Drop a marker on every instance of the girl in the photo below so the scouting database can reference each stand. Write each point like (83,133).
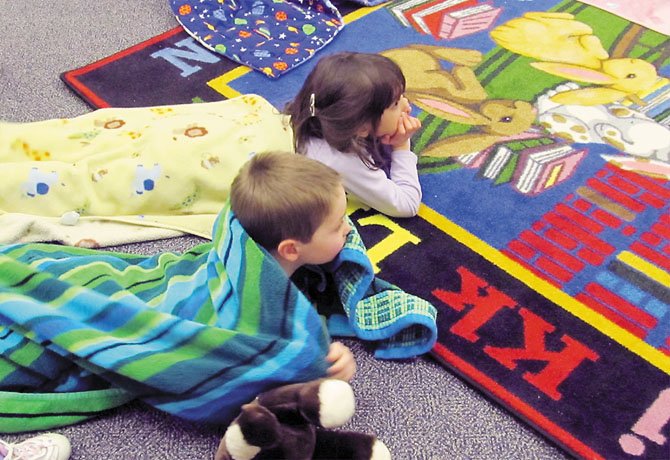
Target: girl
(351,115)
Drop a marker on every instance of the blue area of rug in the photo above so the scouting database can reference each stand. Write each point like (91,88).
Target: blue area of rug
(544,243)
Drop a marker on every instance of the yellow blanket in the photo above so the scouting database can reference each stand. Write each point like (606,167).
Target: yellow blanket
(118,175)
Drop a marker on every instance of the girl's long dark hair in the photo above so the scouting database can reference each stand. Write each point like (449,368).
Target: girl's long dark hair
(351,90)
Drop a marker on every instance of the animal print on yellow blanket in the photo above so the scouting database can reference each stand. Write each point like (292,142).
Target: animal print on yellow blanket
(166,166)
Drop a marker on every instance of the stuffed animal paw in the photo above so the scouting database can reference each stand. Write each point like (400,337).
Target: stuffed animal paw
(294,422)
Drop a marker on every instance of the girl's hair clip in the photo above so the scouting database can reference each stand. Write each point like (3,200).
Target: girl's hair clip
(312,108)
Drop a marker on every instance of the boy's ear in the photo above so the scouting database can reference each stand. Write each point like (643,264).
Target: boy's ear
(288,249)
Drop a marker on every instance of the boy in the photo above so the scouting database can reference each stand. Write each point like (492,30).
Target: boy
(199,333)
(295,208)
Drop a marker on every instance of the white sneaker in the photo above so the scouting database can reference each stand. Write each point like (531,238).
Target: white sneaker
(49,446)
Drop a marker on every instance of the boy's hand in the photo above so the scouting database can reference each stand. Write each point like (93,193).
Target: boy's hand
(407,126)
(343,363)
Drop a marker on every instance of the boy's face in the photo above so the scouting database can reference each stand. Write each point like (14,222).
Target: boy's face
(328,240)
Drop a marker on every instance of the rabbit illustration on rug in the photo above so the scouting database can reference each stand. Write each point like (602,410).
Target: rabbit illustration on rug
(568,48)
(456,95)
(629,131)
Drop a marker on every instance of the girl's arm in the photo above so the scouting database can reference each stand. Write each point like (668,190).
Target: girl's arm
(397,196)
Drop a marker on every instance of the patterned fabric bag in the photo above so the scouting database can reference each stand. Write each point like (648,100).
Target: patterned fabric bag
(271,36)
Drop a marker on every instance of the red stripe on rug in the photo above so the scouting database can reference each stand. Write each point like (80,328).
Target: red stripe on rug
(521,249)
(531,268)
(584,221)
(624,307)
(643,181)
(591,257)
(651,255)
(611,315)
(524,409)
(652,239)
(621,184)
(606,218)
(617,319)
(553,269)
(127,51)
(553,251)
(85,91)
(562,239)
(615,195)
(572,229)
(662,230)
(651,200)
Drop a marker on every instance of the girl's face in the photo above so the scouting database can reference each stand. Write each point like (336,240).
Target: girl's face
(388,124)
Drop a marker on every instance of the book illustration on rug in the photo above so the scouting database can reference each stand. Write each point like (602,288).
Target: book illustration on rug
(481,160)
(531,165)
(655,103)
(544,168)
(468,21)
(427,16)
(398,9)
(497,160)
(445,19)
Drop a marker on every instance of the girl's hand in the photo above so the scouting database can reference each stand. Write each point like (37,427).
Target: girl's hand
(344,364)
(407,126)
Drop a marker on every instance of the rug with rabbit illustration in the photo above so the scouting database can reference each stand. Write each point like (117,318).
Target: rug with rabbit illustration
(544,238)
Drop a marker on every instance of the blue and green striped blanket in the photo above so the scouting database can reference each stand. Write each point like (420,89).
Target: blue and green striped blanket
(195,334)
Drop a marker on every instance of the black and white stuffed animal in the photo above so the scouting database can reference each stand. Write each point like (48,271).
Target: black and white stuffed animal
(295,422)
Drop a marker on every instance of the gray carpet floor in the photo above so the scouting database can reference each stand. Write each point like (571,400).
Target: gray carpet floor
(418,408)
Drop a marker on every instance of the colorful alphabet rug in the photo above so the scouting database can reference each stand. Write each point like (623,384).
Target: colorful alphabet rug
(544,238)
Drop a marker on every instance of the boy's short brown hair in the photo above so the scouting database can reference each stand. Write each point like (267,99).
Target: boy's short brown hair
(278,195)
